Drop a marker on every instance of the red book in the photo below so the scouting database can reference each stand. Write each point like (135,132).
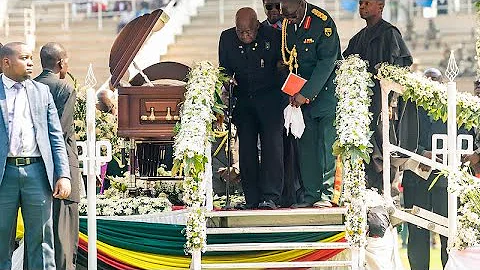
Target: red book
(293,84)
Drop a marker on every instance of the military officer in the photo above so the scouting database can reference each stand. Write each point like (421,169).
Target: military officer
(310,47)
(249,53)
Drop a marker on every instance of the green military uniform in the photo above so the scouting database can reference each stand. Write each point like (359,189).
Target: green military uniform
(318,47)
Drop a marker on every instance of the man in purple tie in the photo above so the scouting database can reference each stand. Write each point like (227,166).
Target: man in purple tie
(33,160)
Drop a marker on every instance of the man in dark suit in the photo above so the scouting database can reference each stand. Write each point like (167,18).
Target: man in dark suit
(272,10)
(292,187)
(33,159)
(312,39)
(65,211)
(381,42)
(250,52)
(416,189)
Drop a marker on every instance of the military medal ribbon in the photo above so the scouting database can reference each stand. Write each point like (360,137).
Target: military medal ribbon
(308,20)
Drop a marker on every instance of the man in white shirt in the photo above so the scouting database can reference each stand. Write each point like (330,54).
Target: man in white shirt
(33,160)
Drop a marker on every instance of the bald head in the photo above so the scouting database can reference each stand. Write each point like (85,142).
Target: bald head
(53,56)
(245,15)
(246,25)
(434,74)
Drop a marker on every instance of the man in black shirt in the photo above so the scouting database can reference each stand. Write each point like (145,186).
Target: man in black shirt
(249,53)
(381,42)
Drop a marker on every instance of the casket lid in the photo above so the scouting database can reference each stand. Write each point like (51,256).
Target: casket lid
(130,40)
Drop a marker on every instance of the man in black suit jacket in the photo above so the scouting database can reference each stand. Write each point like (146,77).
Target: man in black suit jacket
(272,10)
(65,212)
(249,53)
(416,189)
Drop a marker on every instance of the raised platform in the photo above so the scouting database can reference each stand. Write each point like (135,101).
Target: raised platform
(280,217)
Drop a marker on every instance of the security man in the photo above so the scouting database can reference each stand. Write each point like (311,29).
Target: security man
(249,53)
(272,10)
(310,47)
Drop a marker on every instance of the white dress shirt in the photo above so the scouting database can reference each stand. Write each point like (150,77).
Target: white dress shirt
(29,142)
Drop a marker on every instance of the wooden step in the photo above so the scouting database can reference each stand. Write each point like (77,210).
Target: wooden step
(276,246)
(326,228)
(277,265)
(280,212)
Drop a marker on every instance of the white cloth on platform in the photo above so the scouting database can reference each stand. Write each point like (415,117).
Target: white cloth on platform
(294,121)
(382,253)
(468,258)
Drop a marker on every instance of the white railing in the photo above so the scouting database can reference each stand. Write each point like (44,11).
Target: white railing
(335,224)
(6,26)
(3,14)
(29,26)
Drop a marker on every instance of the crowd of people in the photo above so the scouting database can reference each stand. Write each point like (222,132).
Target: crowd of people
(302,38)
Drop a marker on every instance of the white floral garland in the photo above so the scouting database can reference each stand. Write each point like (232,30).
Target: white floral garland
(432,96)
(353,141)
(477,47)
(467,187)
(190,157)
(118,206)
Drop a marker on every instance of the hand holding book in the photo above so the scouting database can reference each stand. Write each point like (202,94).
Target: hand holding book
(292,86)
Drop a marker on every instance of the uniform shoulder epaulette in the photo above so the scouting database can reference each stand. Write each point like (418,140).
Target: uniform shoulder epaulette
(319,14)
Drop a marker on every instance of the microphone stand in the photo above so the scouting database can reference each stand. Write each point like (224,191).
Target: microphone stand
(228,205)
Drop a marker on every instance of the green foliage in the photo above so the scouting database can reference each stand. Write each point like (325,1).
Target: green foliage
(432,96)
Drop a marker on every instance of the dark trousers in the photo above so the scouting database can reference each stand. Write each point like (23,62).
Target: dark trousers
(262,116)
(292,188)
(317,163)
(65,230)
(416,193)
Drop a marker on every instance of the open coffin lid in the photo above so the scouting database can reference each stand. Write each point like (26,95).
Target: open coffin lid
(146,112)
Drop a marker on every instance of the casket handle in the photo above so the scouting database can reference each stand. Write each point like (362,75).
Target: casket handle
(169,115)
(152,116)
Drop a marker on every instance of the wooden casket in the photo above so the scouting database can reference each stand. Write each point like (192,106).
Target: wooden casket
(147,113)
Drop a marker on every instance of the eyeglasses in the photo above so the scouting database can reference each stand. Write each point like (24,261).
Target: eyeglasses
(271,6)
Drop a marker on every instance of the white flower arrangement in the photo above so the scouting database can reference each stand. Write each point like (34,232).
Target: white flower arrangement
(432,96)
(193,134)
(196,230)
(477,44)
(120,206)
(467,187)
(353,141)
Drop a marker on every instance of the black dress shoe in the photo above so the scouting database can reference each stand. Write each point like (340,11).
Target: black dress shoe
(248,206)
(302,205)
(267,205)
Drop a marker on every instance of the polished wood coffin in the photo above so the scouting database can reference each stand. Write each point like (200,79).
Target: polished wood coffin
(146,112)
